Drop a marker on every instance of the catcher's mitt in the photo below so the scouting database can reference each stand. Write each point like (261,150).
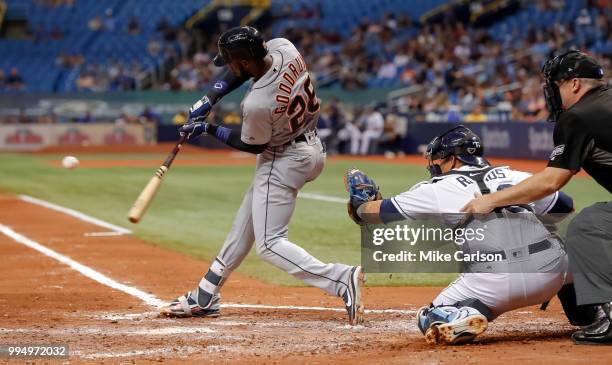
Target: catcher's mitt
(361,189)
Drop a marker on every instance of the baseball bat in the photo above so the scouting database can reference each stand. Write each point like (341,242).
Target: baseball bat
(148,193)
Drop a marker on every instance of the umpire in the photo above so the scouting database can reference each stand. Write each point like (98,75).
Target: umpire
(581,105)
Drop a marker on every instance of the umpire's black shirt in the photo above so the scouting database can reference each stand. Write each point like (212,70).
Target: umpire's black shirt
(583,137)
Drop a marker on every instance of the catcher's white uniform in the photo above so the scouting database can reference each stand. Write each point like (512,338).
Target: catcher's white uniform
(499,291)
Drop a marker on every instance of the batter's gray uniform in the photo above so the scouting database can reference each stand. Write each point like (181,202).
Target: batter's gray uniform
(278,108)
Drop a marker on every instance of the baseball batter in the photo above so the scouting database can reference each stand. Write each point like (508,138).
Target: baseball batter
(534,265)
(280,112)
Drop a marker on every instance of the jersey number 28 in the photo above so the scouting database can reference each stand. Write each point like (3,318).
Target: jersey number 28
(302,102)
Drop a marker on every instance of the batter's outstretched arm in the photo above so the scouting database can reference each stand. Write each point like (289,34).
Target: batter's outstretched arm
(233,139)
(227,83)
(200,110)
(223,134)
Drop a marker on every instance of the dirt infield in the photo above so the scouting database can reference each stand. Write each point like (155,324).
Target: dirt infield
(45,301)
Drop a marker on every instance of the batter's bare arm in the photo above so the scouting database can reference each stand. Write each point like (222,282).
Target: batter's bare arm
(534,188)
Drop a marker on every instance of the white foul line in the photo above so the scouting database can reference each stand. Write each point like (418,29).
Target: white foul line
(117,230)
(146,297)
(85,270)
(326,309)
(323,198)
(102,234)
(75,213)
(150,299)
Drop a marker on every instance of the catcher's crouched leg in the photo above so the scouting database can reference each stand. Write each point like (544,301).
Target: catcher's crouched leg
(451,325)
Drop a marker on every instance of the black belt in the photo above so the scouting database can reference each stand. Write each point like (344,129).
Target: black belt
(301,138)
(532,248)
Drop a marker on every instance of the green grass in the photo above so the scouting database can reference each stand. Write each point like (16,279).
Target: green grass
(195,207)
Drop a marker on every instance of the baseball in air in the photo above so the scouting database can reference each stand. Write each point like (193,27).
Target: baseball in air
(70,162)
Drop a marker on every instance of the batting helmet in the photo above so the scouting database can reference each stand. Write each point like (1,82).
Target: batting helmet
(240,42)
(460,142)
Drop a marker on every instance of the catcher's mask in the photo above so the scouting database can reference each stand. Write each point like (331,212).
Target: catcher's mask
(240,42)
(460,142)
(566,66)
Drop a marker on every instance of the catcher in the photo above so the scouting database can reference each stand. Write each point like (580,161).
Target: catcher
(459,171)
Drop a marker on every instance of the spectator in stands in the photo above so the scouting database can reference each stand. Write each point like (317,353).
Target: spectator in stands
(476,115)
(109,20)
(95,24)
(56,3)
(126,118)
(173,84)
(350,133)
(86,81)
(534,106)
(584,19)
(133,27)
(179,118)
(453,114)
(154,47)
(64,60)
(14,81)
(56,33)
(330,123)
(86,118)
(325,130)
(396,127)
(112,76)
(162,25)
(46,119)
(2,80)
(150,116)
(184,40)
(24,118)
(455,64)
(122,77)
(387,71)
(187,75)
(374,124)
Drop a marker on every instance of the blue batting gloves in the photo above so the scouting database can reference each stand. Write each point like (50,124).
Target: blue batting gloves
(193,129)
(200,110)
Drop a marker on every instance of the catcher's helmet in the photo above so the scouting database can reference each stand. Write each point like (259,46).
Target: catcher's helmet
(241,42)
(460,142)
